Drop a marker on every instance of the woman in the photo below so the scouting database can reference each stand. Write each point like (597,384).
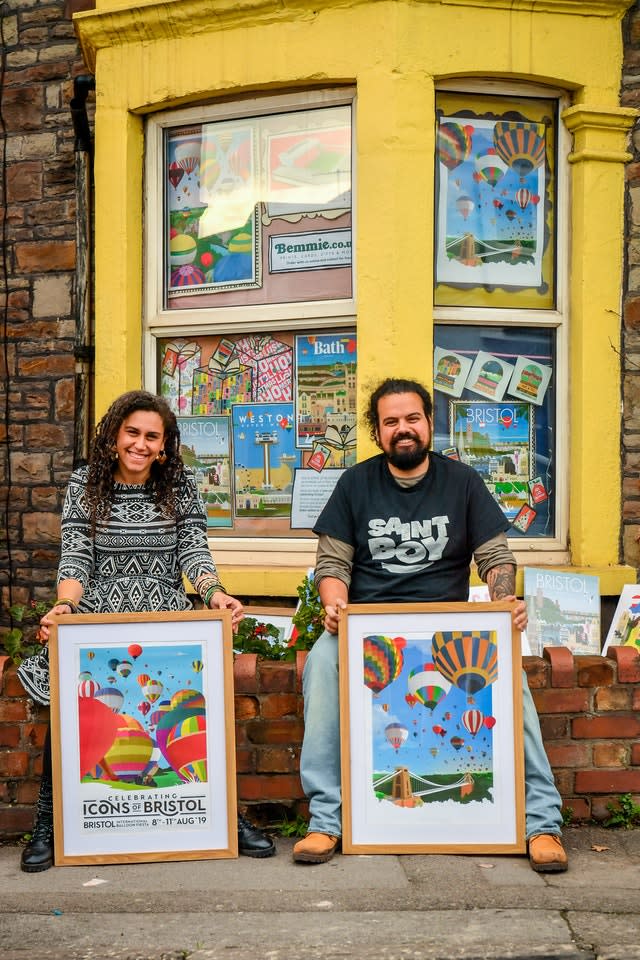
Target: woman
(133,523)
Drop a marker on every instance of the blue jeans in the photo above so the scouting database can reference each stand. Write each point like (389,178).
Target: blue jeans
(320,757)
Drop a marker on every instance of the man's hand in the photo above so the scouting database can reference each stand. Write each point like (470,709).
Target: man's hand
(519,615)
(332,613)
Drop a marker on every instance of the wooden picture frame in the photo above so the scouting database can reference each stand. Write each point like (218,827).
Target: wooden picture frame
(431,729)
(143,747)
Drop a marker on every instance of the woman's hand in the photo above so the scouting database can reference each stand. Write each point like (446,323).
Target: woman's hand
(46,622)
(222,601)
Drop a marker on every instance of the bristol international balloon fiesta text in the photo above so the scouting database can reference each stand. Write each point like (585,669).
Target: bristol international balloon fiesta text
(432,717)
(142,724)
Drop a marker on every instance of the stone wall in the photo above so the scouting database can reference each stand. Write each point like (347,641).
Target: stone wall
(588,708)
(37,291)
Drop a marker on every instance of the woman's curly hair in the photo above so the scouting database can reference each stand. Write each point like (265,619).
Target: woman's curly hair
(102,465)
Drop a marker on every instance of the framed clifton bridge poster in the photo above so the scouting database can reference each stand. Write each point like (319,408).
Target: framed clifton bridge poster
(142,737)
(431,724)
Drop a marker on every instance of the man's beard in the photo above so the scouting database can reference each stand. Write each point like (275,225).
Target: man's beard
(408,459)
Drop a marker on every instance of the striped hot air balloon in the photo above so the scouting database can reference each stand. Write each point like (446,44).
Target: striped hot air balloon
(520,144)
(429,686)
(454,143)
(472,720)
(186,748)
(469,659)
(383,660)
(396,734)
(129,754)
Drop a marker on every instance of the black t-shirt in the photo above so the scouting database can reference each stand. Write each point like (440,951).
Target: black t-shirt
(416,543)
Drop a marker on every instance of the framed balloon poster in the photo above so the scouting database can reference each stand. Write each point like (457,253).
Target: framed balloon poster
(143,737)
(496,201)
(431,729)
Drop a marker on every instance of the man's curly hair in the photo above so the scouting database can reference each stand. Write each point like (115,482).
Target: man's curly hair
(394,385)
(102,465)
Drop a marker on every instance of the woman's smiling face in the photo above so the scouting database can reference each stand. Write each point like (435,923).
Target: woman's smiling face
(139,441)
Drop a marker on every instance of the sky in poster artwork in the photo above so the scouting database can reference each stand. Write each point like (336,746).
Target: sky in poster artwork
(571,591)
(168,665)
(503,422)
(251,421)
(325,349)
(487,219)
(390,707)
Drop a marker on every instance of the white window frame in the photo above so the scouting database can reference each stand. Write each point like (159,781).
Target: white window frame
(159,322)
(555,549)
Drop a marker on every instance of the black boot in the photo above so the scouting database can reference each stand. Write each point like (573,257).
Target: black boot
(38,854)
(252,842)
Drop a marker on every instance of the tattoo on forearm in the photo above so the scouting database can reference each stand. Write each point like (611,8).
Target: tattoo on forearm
(501,581)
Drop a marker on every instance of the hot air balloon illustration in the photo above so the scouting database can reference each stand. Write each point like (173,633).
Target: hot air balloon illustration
(457,743)
(176,173)
(433,751)
(490,167)
(171,719)
(464,206)
(383,660)
(130,751)
(143,679)
(152,690)
(111,697)
(124,668)
(468,659)
(90,655)
(454,144)
(472,721)
(411,700)
(520,144)
(511,214)
(440,731)
(429,686)
(522,197)
(113,664)
(489,722)
(396,734)
(197,666)
(186,748)
(85,675)
(144,707)
(184,698)
(134,650)
(188,155)
(88,688)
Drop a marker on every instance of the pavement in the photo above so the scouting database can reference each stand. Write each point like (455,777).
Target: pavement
(410,907)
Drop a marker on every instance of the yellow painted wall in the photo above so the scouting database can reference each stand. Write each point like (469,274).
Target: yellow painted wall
(154,55)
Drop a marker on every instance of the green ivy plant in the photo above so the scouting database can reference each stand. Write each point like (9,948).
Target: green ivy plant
(626,814)
(308,619)
(15,641)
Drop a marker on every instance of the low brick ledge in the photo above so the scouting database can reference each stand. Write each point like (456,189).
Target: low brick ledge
(589,709)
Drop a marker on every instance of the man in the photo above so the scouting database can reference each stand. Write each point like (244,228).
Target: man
(368,551)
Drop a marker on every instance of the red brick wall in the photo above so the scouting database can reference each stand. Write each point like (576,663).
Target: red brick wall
(588,707)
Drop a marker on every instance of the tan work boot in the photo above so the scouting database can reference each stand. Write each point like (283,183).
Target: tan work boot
(315,848)
(546,854)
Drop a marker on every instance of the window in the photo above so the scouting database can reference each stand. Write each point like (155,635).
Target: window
(500,377)
(250,308)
